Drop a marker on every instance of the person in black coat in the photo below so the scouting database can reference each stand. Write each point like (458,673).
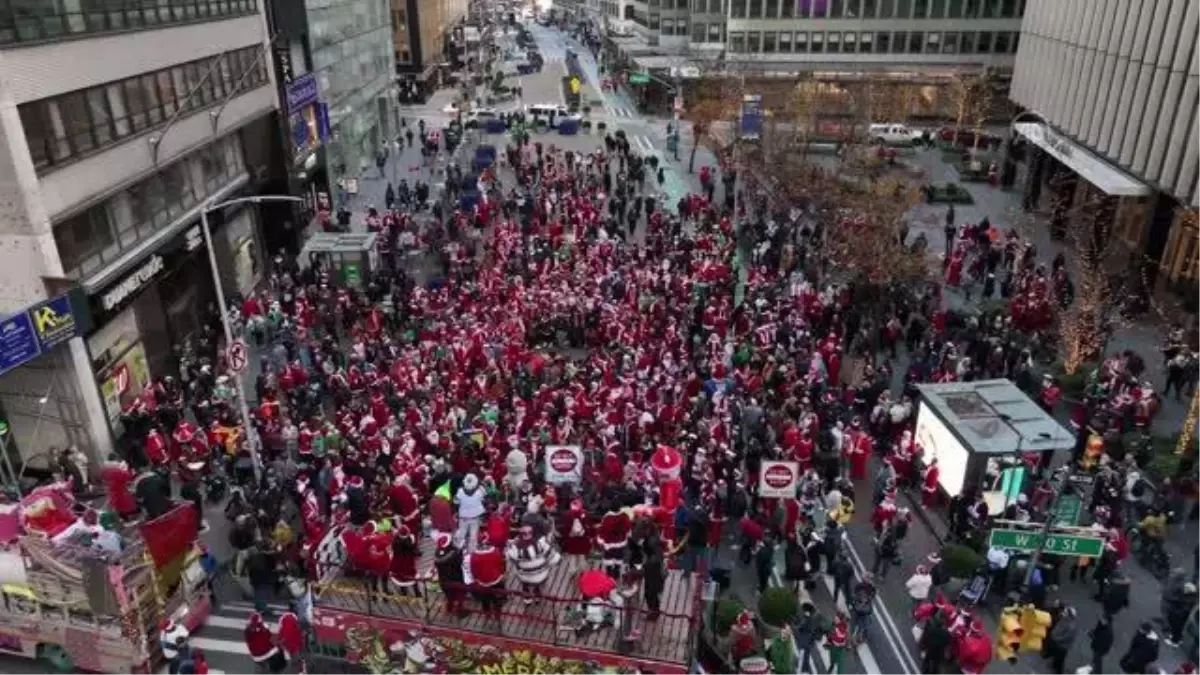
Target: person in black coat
(654,576)
(934,642)
(1101,640)
(1143,650)
(795,563)
(448,561)
(764,562)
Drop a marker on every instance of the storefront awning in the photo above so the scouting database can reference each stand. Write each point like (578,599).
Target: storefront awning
(1090,166)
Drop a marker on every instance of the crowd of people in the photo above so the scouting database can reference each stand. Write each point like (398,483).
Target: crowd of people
(573,308)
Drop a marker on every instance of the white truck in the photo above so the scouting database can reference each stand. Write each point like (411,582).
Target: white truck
(893,134)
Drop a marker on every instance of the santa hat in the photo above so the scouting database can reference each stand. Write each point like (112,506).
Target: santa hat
(442,542)
(302,484)
(355,482)
(576,506)
(484,539)
(90,517)
(165,625)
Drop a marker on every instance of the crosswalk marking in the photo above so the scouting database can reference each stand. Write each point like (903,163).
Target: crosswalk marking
(226,622)
(615,111)
(218,645)
(245,608)
(864,651)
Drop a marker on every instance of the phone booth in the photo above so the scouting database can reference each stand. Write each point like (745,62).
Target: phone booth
(348,256)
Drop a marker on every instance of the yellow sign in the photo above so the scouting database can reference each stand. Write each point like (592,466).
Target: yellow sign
(50,323)
(574,85)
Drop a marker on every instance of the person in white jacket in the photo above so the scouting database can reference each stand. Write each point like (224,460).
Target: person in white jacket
(918,586)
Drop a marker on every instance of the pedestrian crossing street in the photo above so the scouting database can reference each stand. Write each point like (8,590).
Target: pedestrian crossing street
(222,639)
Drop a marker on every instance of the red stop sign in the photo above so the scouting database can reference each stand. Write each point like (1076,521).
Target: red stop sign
(778,477)
(563,460)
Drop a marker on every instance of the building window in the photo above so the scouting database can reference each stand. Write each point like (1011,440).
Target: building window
(866,41)
(818,43)
(950,43)
(837,9)
(699,32)
(870,8)
(83,235)
(71,125)
(966,43)
(954,9)
(915,42)
(1016,39)
(849,42)
(920,9)
(1003,42)
(737,9)
(768,43)
(933,43)
(937,9)
(753,42)
(50,20)
(903,9)
(801,43)
(883,41)
(833,43)
(653,21)
(785,43)
(714,32)
(737,42)
(667,27)
(787,9)
(756,9)
(887,9)
(716,7)
(971,9)
(772,9)
(991,9)
(984,44)
(803,9)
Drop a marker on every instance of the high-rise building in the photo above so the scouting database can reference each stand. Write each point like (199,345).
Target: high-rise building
(925,42)
(1111,90)
(120,119)
(422,36)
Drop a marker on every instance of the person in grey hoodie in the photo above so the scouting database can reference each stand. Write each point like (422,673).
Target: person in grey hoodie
(1062,636)
(807,631)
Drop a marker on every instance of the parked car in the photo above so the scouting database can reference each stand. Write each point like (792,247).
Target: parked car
(966,137)
(893,134)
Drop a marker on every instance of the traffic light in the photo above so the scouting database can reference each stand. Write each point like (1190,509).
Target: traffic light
(1008,639)
(1092,452)
(1036,624)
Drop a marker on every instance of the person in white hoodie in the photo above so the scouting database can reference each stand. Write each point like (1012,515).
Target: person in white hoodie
(918,586)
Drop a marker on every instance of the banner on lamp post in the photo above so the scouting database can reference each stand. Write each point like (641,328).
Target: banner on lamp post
(752,118)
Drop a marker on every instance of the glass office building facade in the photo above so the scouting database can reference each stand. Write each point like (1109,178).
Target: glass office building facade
(352,58)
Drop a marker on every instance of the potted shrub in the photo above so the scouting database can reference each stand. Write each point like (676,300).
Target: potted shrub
(586,125)
(777,607)
(961,561)
(725,615)
(587,110)
(601,126)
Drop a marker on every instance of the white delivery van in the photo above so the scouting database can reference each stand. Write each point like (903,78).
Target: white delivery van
(550,113)
(893,134)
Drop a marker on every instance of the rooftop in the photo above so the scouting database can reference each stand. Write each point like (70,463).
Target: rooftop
(995,417)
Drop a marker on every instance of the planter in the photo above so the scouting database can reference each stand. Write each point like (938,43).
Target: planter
(601,126)
(585,125)
(948,193)
(971,174)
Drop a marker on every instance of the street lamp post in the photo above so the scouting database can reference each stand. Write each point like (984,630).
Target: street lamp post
(252,441)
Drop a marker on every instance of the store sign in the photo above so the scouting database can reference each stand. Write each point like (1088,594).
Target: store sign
(301,92)
(778,479)
(37,329)
(752,117)
(132,283)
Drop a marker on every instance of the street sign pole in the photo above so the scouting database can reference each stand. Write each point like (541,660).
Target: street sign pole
(1050,515)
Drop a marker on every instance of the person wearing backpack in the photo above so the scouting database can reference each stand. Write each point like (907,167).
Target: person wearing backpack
(862,605)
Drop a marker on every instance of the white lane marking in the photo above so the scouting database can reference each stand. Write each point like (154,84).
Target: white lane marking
(218,621)
(884,619)
(211,645)
(244,608)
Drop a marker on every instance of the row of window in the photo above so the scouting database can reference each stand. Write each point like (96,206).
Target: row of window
(33,20)
(99,235)
(861,9)
(68,126)
(899,42)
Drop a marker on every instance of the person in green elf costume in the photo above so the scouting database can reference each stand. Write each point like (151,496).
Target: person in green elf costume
(837,641)
(781,652)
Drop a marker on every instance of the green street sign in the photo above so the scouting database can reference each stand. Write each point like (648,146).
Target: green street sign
(352,274)
(1068,510)
(639,78)
(1056,543)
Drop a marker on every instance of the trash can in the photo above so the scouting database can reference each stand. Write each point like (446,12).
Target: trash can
(568,127)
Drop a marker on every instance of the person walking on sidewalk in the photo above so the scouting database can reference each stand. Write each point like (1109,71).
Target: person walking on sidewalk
(837,641)
(1062,636)
(918,586)
(808,630)
(842,574)
(934,642)
(1101,641)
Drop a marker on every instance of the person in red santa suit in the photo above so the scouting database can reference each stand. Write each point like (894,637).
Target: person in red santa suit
(156,449)
(486,567)
(613,538)
(290,634)
(310,511)
(577,537)
(885,512)
(404,503)
(118,479)
(929,484)
(376,558)
(857,450)
(405,554)
(260,642)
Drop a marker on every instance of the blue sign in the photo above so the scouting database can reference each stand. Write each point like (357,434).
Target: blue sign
(752,117)
(323,129)
(301,92)
(40,328)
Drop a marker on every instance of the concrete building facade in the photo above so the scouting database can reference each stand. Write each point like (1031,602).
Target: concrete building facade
(117,122)
(1112,88)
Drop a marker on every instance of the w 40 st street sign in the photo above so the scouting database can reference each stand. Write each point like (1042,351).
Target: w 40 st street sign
(1055,542)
